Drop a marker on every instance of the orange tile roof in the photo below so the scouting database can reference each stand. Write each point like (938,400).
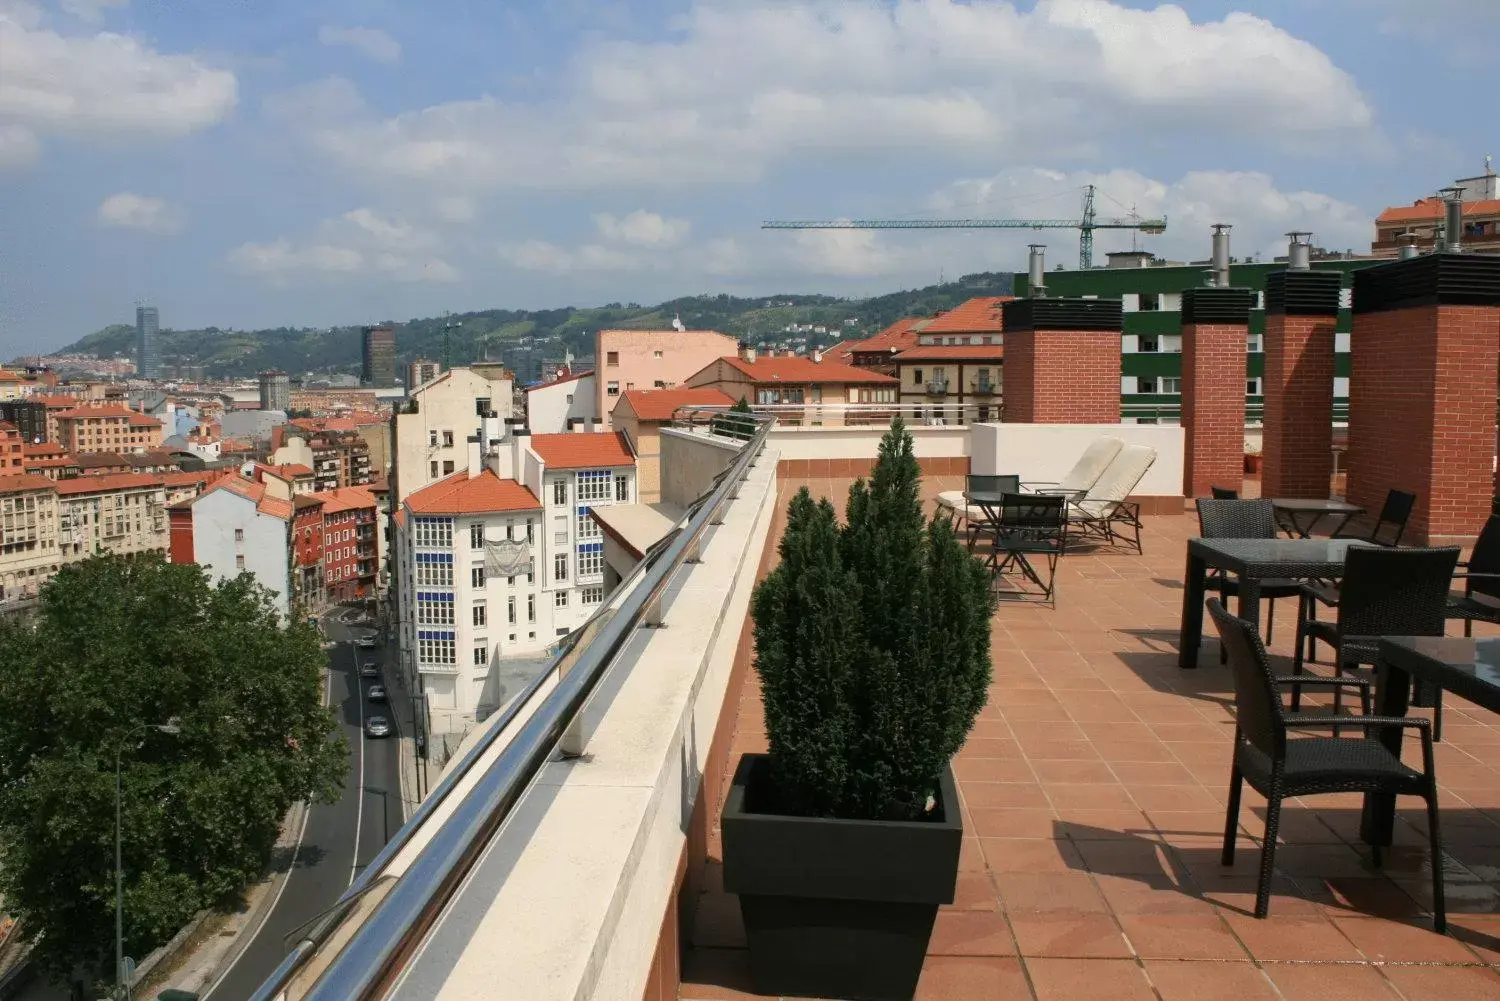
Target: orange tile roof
(953,352)
(256,492)
(804,370)
(50,462)
(113,410)
(571,377)
(59,402)
(482,494)
(25,482)
(344,499)
(109,481)
(182,479)
(660,404)
(583,450)
(974,316)
(400,518)
(44,449)
(1431,210)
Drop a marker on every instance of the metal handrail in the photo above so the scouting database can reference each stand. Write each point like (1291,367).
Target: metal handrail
(412,904)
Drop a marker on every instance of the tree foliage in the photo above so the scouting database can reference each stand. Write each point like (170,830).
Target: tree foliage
(737,426)
(872,642)
(120,645)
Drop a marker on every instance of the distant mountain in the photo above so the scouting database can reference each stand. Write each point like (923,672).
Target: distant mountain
(494,333)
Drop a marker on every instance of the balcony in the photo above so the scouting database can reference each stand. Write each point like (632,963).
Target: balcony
(983,388)
(937,387)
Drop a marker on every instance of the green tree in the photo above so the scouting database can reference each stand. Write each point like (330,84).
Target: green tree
(872,642)
(736,426)
(118,643)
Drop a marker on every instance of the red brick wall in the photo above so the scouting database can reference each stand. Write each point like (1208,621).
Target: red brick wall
(1062,377)
(1213,406)
(1297,450)
(1422,414)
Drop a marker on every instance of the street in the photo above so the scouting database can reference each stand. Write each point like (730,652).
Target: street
(337,838)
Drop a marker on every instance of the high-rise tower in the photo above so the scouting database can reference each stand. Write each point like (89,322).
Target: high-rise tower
(379,367)
(147,360)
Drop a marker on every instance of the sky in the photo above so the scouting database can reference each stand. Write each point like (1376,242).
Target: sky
(252,163)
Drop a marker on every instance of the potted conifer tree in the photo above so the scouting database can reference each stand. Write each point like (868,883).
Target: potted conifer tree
(872,645)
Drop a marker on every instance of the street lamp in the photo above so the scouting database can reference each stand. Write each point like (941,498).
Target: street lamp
(122,983)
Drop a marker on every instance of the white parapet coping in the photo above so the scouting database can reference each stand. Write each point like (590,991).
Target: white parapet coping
(949,441)
(567,901)
(1046,452)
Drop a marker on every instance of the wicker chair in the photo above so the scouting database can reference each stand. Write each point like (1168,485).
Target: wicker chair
(1385,592)
(1481,577)
(1245,519)
(1279,768)
(1394,514)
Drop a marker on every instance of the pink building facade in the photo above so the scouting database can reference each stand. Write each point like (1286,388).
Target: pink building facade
(626,360)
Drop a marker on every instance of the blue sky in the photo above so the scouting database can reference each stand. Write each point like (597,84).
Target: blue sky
(247,164)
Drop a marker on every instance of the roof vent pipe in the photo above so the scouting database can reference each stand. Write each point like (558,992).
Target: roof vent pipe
(1036,270)
(1220,262)
(1299,251)
(1408,248)
(1453,219)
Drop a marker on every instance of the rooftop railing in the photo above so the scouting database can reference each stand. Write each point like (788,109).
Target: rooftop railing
(409,903)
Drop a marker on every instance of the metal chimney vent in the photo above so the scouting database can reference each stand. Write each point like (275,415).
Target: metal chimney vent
(1220,262)
(1299,251)
(1453,219)
(1408,250)
(1036,270)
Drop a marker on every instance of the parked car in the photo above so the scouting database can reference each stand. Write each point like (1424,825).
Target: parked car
(376,693)
(377,726)
(369,669)
(367,642)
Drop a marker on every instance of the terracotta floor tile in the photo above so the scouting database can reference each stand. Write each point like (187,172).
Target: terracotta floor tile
(970,858)
(1361,897)
(1072,771)
(1329,982)
(1031,733)
(1301,939)
(1445,983)
(1128,857)
(1209,981)
(1013,823)
(716,975)
(990,747)
(1035,855)
(1163,893)
(963,978)
(971,933)
(1115,750)
(1002,795)
(1090,797)
(1044,712)
(1172,797)
(974,891)
(1068,934)
(1073,979)
(1040,891)
(1152,773)
(1054,747)
(992,770)
(1180,936)
(1085,823)
(1384,941)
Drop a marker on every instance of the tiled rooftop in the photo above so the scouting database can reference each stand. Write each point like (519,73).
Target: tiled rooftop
(1094,785)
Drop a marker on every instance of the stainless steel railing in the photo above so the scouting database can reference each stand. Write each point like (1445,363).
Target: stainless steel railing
(378,948)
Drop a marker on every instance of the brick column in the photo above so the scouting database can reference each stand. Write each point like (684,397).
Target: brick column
(1425,359)
(1215,327)
(1062,361)
(1297,454)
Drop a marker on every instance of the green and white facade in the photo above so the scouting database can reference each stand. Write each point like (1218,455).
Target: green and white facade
(1151,359)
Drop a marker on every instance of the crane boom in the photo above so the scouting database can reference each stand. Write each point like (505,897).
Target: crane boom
(1085,226)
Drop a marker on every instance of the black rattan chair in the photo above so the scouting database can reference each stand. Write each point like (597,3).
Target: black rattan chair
(1385,592)
(1278,767)
(1023,526)
(983,485)
(1224,493)
(1481,577)
(1394,514)
(1244,519)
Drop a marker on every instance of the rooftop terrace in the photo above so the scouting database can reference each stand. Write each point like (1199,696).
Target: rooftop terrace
(1094,787)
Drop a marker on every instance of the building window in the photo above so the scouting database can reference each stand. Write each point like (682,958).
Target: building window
(1148,344)
(476,535)
(611,357)
(481,613)
(1149,302)
(434,569)
(447,467)
(433,466)
(432,439)
(530,535)
(591,595)
(587,527)
(570,399)
(434,608)
(436,647)
(510,609)
(916,375)
(559,496)
(482,406)
(1252,387)
(447,439)
(1145,384)
(239,535)
(476,576)
(433,533)
(481,653)
(239,561)
(560,566)
(593,485)
(590,560)
(613,389)
(622,488)
(531,609)
(560,599)
(1252,343)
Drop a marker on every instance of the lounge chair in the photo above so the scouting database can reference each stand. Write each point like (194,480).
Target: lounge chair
(1085,472)
(1105,509)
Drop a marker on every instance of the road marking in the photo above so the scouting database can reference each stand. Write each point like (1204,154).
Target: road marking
(359,811)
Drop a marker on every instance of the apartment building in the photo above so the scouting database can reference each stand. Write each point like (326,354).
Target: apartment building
(29,416)
(790,381)
(639,416)
(351,557)
(879,351)
(625,360)
(952,383)
(566,403)
(124,513)
(107,428)
(307,552)
(12,450)
(235,527)
(373,427)
(432,428)
(29,553)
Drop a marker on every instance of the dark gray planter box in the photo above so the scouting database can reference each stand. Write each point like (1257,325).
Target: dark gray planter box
(837,908)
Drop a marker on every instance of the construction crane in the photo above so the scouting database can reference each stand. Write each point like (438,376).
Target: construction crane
(1085,225)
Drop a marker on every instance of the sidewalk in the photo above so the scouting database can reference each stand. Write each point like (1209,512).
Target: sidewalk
(402,711)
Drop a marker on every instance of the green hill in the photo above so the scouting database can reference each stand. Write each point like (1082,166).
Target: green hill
(494,333)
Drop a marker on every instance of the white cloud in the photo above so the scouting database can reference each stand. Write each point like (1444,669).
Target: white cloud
(372,42)
(359,243)
(131,211)
(100,85)
(317,103)
(19,147)
(91,11)
(742,88)
(643,229)
(539,255)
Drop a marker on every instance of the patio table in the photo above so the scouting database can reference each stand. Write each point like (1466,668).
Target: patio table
(1314,510)
(1252,561)
(1465,666)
